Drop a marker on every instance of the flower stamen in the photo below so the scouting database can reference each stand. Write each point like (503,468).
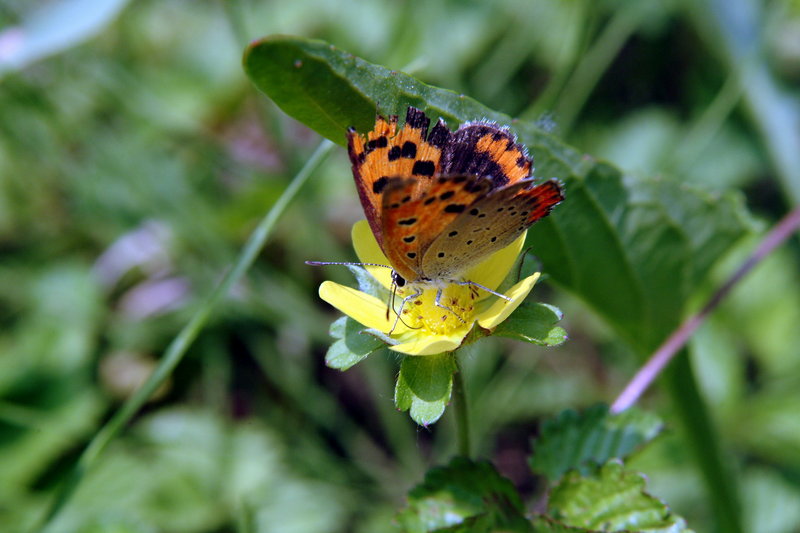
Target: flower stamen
(459,313)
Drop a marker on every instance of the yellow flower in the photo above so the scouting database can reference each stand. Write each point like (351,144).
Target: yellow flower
(424,328)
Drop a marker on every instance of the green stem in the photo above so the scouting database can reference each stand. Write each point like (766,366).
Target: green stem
(595,63)
(547,99)
(706,127)
(732,27)
(179,346)
(704,445)
(462,411)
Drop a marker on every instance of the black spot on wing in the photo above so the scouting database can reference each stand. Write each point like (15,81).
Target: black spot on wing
(409,150)
(476,186)
(455,208)
(394,153)
(374,144)
(380,184)
(423,168)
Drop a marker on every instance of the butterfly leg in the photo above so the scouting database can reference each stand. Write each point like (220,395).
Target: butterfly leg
(402,305)
(438,303)
(487,289)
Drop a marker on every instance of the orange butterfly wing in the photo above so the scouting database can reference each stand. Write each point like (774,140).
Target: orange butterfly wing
(411,223)
(418,187)
(484,149)
(385,153)
(491,223)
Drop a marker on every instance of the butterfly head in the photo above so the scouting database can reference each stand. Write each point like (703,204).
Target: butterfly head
(398,280)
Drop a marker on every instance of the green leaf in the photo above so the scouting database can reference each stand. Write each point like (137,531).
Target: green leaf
(583,440)
(424,385)
(611,500)
(634,249)
(464,496)
(544,524)
(352,344)
(328,89)
(534,323)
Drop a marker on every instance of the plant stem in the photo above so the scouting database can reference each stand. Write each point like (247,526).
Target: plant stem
(693,145)
(462,411)
(664,354)
(595,62)
(682,385)
(732,27)
(180,345)
(704,444)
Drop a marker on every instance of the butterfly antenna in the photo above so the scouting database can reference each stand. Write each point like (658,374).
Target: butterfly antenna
(344,263)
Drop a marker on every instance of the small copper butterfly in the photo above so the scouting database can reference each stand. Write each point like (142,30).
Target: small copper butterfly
(438,201)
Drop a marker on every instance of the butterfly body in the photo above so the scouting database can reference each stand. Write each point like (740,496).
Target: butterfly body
(438,201)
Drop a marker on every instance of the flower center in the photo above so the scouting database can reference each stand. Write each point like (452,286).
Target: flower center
(455,310)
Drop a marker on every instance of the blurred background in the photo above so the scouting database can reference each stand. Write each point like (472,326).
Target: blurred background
(136,157)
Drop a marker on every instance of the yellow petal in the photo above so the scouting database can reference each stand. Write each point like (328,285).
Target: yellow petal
(368,251)
(427,344)
(361,307)
(493,270)
(501,309)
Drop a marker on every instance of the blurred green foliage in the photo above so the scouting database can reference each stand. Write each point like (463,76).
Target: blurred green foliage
(135,156)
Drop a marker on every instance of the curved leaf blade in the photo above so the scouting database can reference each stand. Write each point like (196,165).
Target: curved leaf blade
(464,496)
(633,249)
(424,386)
(612,500)
(581,441)
(534,323)
(351,346)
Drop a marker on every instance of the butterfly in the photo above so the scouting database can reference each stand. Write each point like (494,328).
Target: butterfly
(439,202)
